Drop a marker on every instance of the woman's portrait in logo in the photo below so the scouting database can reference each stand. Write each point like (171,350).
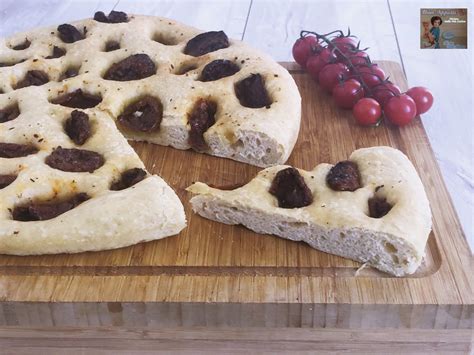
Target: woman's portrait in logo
(443,28)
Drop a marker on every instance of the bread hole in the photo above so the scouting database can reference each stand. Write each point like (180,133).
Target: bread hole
(70,72)
(44,210)
(290,189)
(395,259)
(342,235)
(58,52)
(78,127)
(134,67)
(205,43)
(74,160)
(218,69)
(111,46)
(200,119)
(185,68)
(112,17)
(9,112)
(21,46)
(378,207)
(33,78)
(13,150)
(258,142)
(6,179)
(252,92)
(390,248)
(268,150)
(165,39)
(128,178)
(70,34)
(142,115)
(78,99)
(344,176)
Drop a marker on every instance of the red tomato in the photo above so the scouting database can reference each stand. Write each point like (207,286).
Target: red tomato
(371,74)
(331,75)
(344,44)
(347,93)
(400,110)
(359,58)
(423,98)
(385,91)
(367,111)
(344,40)
(317,61)
(303,48)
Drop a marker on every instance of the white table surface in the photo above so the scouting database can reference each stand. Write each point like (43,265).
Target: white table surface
(389,27)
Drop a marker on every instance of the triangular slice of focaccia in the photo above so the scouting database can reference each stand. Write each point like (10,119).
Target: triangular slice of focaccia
(371,208)
(70,182)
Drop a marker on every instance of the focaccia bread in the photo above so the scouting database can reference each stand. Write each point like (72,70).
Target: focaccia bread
(371,208)
(69,180)
(164,83)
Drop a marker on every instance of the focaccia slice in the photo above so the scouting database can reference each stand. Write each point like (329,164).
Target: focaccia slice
(70,182)
(371,208)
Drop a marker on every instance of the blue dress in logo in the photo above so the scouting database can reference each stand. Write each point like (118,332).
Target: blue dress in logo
(435,31)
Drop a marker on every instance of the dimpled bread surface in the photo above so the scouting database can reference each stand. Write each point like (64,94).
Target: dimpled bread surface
(260,136)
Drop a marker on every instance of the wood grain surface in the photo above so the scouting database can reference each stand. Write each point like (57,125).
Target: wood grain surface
(215,268)
(231,341)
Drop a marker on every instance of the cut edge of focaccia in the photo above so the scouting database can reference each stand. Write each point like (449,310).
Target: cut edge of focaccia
(337,222)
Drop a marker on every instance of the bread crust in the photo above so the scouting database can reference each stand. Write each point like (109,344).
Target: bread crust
(337,222)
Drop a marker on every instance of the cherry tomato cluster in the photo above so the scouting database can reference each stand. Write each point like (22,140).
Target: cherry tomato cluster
(342,69)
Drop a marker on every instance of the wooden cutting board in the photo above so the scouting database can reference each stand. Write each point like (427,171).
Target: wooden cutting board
(227,274)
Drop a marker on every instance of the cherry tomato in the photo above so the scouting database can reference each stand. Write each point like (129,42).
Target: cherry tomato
(303,48)
(371,74)
(345,40)
(346,45)
(317,61)
(423,98)
(385,91)
(359,58)
(347,93)
(331,75)
(367,111)
(400,110)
